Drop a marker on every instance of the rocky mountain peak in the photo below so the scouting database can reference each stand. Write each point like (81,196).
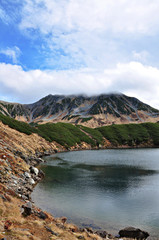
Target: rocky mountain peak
(92,111)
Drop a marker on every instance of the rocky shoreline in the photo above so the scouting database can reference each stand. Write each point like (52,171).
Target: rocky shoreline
(20,218)
(23,186)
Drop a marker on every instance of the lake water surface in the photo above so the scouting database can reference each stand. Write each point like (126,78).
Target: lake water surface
(108,189)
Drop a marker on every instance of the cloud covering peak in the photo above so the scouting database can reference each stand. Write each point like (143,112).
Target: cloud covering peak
(84,46)
(127,78)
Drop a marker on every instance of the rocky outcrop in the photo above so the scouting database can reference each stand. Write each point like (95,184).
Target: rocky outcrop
(131,232)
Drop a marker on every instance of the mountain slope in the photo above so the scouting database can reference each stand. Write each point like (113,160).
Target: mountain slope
(92,111)
(69,136)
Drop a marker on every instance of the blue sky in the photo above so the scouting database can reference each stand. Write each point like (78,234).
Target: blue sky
(79,46)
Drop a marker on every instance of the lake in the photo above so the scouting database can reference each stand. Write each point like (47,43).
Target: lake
(107,189)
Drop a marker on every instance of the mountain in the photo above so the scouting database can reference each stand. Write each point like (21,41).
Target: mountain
(105,109)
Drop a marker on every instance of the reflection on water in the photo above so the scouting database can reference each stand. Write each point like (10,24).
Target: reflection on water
(103,188)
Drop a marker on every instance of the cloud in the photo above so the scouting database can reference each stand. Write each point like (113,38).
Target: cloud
(12,53)
(133,78)
(89,33)
(3,16)
(91,15)
(98,46)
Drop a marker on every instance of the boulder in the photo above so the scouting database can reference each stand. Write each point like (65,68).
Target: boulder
(131,232)
(31,181)
(34,170)
(27,209)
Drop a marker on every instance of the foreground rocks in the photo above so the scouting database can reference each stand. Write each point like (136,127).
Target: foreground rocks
(131,232)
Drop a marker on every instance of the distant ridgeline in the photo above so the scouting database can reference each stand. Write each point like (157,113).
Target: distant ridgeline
(95,111)
(69,135)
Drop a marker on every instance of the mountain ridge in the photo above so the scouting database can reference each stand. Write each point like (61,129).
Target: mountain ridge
(91,111)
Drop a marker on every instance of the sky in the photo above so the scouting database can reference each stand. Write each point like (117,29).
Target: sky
(79,47)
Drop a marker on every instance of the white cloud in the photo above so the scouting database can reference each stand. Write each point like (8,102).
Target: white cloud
(66,15)
(88,32)
(13,53)
(131,78)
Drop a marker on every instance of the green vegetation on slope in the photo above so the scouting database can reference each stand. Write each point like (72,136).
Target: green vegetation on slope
(153,130)
(69,135)
(94,133)
(65,134)
(131,134)
(18,125)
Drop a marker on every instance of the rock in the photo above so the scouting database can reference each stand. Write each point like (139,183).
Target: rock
(42,215)
(40,160)
(31,181)
(19,190)
(29,189)
(132,232)
(110,236)
(102,234)
(24,197)
(90,230)
(27,209)
(34,170)
(27,175)
(52,232)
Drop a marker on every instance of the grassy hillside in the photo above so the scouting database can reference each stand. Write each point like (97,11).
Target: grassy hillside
(64,133)
(69,135)
(19,126)
(94,133)
(131,134)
